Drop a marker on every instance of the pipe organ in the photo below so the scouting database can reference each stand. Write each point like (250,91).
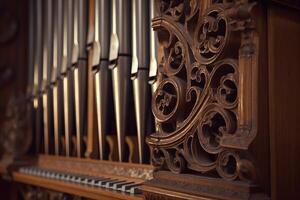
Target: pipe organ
(144,99)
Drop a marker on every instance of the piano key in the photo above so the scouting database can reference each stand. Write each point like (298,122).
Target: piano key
(72,178)
(49,175)
(22,170)
(118,186)
(37,172)
(56,175)
(134,190)
(102,183)
(77,179)
(95,181)
(125,188)
(46,173)
(90,180)
(65,177)
(110,184)
(115,185)
(40,172)
(83,179)
(28,171)
(86,180)
(52,175)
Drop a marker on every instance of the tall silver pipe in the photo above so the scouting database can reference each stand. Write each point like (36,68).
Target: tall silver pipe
(153,51)
(153,71)
(37,77)
(55,74)
(47,65)
(67,78)
(140,69)
(120,64)
(79,63)
(100,66)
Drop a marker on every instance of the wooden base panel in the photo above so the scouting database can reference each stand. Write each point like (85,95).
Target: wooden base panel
(167,185)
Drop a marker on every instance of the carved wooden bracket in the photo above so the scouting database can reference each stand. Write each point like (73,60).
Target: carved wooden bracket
(206,103)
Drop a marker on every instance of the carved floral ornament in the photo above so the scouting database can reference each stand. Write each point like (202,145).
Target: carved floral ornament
(205,104)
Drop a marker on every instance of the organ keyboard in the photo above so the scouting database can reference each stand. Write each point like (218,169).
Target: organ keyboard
(103,182)
(123,179)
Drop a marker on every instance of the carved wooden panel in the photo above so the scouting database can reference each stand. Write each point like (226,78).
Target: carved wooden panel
(206,103)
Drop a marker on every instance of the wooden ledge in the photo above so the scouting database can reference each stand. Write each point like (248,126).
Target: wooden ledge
(167,185)
(96,168)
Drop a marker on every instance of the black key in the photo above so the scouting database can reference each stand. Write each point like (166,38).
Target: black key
(110,184)
(118,186)
(134,190)
(126,188)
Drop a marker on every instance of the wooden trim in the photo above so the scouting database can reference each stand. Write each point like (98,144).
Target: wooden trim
(184,186)
(173,195)
(101,168)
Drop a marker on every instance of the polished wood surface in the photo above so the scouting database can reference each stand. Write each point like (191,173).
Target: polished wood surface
(284,53)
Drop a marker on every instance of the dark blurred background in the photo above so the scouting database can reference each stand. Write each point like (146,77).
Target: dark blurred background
(13,51)
(13,66)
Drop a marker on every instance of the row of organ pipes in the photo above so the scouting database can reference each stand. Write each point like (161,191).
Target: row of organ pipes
(89,60)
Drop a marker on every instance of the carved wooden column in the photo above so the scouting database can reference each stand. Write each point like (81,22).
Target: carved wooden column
(206,105)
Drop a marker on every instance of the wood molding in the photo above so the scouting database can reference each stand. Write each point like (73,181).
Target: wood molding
(96,167)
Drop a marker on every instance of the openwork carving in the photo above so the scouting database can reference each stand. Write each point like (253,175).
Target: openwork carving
(205,105)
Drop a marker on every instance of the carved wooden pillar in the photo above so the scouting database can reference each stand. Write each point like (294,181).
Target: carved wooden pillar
(206,105)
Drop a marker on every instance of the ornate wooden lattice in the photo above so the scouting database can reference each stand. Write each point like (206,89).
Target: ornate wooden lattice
(206,102)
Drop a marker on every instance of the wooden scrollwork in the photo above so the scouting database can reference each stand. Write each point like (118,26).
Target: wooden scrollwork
(205,104)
